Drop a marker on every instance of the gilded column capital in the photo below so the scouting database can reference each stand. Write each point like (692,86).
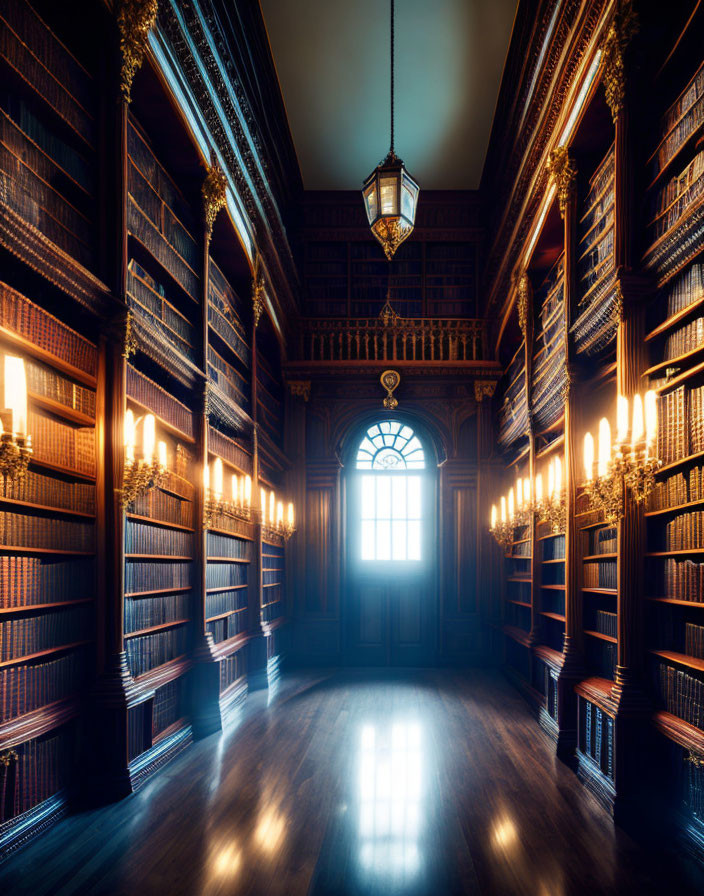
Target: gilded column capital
(484,389)
(257,292)
(135,19)
(563,174)
(524,293)
(622,29)
(214,192)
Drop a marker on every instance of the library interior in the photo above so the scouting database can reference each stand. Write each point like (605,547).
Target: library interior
(351,517)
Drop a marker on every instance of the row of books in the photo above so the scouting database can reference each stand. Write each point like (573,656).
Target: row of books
(47,382)
(678,488)
(41,770)
(27,581)
(37,488)
(26,688)
(682,580)
(680,693)
(694,640)
(231,668)
(681,119)
(65,446)
(554,548)
(224,546)
(521,550)
(231,450)
(24,530)
(42,329)
(696,419)
(686,289)
(596,232)
(227,378)
(143,576)
(225,602)
(600,574)
(606,623)
(694,789)
(597,737)
(685,339)
(673,435)
(220,319)
(154,650)
(138,729)
(147,612)
(272,605)
(685,531)
(678,196)
(225,575)
(163,404)
(513,414)
(143,538)
(229,627)
(168,706)
(151,295)
(601,657)
(600,541)
(599,183)
(33,634)
(158,505)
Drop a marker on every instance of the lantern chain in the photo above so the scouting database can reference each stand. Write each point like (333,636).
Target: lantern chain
(392,77)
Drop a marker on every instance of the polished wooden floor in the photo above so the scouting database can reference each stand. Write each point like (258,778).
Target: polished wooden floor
(427,782)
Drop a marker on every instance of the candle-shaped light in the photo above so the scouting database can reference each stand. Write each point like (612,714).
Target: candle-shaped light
(621,420)
(291,518)
(558,478)
(651,417)
(637,429)
(539,488)
(588,457)
(494,516)
(503,509)
(262,503)
(519,493)
(511,507)
(280,515)
(217,478)
(16,393)
(248,492)
(148,438)
(236,498)
(161,454)
(128,427)
(604,447)
(272,507)
(551,481)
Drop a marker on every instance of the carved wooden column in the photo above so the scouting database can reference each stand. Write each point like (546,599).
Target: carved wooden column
(115,693)
(488,581)
(564,174)
(256,657)
(205,676)
(298,398)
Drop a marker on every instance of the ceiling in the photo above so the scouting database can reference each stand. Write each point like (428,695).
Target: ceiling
(332,59)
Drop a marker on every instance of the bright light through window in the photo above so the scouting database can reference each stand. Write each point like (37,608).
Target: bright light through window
(390,498)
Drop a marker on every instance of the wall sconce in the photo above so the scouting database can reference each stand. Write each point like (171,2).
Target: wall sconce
(524,503)
(274,522)
(553,509)
(240,504)
(500,527)
(15,442)
(147,471)
(618,467)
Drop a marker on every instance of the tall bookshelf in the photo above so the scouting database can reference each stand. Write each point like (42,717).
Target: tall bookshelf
(675,547)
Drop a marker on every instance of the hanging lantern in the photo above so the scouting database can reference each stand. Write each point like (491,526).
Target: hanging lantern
(390,193)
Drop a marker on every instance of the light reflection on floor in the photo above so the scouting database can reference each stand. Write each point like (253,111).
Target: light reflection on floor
(390,795)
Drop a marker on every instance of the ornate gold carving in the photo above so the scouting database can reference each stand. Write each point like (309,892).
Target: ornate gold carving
(129,339)
(390,232)
(8,757)
(695,759)
(567,385)
(206,398)
(390,380)
(623,27)
(300,389)
(563,174)
(214,195)
(388,316)
(257,291)
(483,389)
(618,303)
(524,291)
(135,19)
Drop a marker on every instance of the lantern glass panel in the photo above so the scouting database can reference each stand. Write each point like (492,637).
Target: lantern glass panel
(388,187)
(407,203)
(370,201)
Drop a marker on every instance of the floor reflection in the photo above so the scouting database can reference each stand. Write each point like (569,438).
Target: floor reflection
(390,796)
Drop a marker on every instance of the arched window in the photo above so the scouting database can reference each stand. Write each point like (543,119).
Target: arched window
(391,511)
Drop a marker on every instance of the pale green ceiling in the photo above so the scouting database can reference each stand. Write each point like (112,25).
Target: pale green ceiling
(332,58)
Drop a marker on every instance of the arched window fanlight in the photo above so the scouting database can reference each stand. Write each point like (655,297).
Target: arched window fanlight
(390,446)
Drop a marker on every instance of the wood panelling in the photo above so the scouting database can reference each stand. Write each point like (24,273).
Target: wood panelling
(320,561)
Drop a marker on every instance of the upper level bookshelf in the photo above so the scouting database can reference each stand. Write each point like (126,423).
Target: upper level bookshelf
(548,374)
(513,414)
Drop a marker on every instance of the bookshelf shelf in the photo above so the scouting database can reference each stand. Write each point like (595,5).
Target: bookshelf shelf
(675,508)
(675,602)
(59,468)
(552,587)
(519,603)
(153,521)
(61,410)
(675,319)
(679,553)
(225,588)
(597,690)
(671,726)
(45,508)
(519,579)
(32,608)
(674,362)
(156,628)
(601,636)
(162,422)
(553,561)
(271,584)
(231,645)
(681,462)
(40,653)
(549,535)
(548,449)
(212,559)
(680,659)
(22,549)
(517,634)
(557,617)
(155,591)
(548,655)
(591,557)
(161,675)
(38,722)
(175,557)
(230,534)
(225,614)
(21,344)
(613,592)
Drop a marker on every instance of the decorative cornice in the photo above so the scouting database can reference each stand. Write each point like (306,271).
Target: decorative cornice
(623,27)
(563,174)
(129,338)
(214,191)
(135,19)
(484,389)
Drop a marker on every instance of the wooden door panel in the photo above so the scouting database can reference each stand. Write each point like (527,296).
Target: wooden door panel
(372,610)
